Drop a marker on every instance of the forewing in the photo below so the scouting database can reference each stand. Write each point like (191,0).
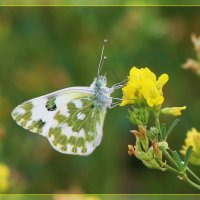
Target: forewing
(68,118)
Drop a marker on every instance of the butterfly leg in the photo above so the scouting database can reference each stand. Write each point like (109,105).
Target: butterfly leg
(116,98)
(118,85)
(119,100)
(114,104)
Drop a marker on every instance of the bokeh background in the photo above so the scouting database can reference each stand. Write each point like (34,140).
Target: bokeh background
(43,49)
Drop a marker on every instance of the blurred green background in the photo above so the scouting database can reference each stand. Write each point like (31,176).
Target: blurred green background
(43,49)
(99,2)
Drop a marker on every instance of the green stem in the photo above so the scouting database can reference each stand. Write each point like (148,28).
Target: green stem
(186,179)
(167,155)
(182,176)
(172,169)
(157,122)
(193,174)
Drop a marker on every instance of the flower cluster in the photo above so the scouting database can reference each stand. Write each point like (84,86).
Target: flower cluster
(145,93)
(151,156)
(144,88)
(192,139)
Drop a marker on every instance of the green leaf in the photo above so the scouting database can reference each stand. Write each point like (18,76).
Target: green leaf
(187,156)
(177,160)
(171,128)
(163,131)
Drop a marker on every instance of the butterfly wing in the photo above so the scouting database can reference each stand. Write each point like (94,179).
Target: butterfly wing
(68,118)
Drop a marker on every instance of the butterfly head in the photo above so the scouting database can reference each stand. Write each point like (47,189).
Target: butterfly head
(100,81)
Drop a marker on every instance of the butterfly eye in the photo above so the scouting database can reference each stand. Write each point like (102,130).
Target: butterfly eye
(101,81)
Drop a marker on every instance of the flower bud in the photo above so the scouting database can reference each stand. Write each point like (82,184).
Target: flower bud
(157,151)
(141,155)
(130,150)
(175,111)
(163,144)
(153,164)
(139,116)
(142,137)
(153,133)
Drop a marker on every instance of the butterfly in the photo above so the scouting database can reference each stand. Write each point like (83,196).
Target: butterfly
(72,118)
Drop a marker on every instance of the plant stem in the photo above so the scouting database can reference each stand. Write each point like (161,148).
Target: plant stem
(172,169)
(183,176)
(177,170)
(193,174)
(186,179)
(167,155)
(157,122)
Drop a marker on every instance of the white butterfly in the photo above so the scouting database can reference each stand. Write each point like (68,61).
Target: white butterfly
(72,118)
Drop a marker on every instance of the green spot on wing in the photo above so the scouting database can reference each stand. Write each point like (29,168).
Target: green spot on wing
(72,140)
(89,137)
(22,119)
(80,142)
(63,141)
(54,131)
(37,126)
(23,123)
(59,138)
(59,117)
(84,150)
(74,149)
(27,106)
(64,148)
(71,106)
(51,105)
(19,117)
(90,121)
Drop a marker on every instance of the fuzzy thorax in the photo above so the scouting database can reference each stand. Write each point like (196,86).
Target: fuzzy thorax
(101,92)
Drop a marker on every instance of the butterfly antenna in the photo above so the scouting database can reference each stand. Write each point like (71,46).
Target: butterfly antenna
(102,58)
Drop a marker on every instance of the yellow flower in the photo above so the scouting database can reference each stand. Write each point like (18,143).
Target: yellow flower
(4,177)
(152,94)
(162,80)
(143,86)
(173,110)
(192,139)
